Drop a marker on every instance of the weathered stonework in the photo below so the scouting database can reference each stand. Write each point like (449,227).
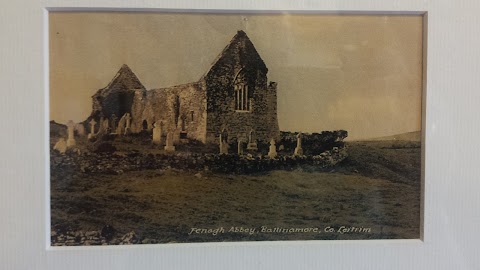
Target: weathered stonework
(118,97)
(181,106)
(232,97)
(240,60)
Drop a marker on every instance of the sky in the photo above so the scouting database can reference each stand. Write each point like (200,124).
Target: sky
(360,73)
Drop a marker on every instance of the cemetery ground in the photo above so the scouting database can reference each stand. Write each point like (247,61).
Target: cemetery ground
(377,187)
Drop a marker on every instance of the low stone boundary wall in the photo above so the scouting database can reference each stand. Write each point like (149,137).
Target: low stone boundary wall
(117,163)
(249,164)
(313,143)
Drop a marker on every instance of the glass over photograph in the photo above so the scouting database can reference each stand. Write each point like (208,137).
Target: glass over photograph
(221,127)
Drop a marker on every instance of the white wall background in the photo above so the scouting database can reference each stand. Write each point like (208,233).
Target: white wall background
(452,171)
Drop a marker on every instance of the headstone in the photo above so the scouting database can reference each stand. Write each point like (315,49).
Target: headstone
(240,147)
(176,136)
(92,128)
(127,118)
(272,152)
(169,147)
(252,143)
(127,123)
(71,137)
(106,126)
(60,146)
(298,149)
(80,129)
(114,123)
(220,144)
(223,142)
(101,127)
(121,125)
(157,133)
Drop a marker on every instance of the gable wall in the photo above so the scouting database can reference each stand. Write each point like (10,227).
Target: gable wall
(240,56)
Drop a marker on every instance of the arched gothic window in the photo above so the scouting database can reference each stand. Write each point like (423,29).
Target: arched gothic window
(243,100)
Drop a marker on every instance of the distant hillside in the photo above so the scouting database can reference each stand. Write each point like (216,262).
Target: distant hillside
(395,161)
(415,136)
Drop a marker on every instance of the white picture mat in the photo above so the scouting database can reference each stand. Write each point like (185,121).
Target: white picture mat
(452,212)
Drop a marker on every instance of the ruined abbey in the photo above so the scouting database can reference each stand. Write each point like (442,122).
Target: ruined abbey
(233,99)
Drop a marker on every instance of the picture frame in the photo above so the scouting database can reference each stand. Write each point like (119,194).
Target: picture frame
(449,224)
(286,168)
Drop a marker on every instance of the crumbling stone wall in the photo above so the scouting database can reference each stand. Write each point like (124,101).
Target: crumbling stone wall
(240,58)
(186,103)
(118,96)
(204,108)
(106,163)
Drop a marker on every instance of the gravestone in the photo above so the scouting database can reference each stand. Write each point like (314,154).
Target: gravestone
(272,152)
(121,125)
(157,133)
(240,147)
(252,142)
(169,147)
(176,136)
(106,126)
(128,118)
(92,128)
(101,127)
(223,142)
(298,149)
(60,146)
(80,129)
(114,122)
(71,137)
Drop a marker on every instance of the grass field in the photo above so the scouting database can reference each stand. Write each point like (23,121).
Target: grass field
(376,187)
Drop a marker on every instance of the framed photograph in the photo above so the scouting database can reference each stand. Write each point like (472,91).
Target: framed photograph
(178,127)
(239,135)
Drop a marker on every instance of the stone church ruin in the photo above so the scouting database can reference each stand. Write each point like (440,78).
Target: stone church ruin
(232,102)
(231,109)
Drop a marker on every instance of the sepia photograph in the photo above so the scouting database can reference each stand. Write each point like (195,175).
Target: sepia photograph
(171,127)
